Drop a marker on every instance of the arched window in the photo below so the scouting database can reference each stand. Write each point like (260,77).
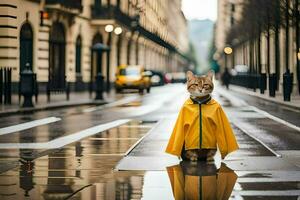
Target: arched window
(78,55)
(26,46)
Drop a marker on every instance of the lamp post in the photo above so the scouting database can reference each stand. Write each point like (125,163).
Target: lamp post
(226,76)
(298,69)
(118,31)
(109,29)
(227,50)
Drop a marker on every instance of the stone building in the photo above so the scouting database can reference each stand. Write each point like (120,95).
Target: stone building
(55,38)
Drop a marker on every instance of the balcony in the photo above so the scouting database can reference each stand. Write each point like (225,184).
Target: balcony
(69,6)
(112,12)
(132,23)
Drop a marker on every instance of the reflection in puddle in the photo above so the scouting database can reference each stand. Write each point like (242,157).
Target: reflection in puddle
(82,170)
(201,181)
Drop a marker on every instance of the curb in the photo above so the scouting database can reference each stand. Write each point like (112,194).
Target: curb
(49,107)
(264,98)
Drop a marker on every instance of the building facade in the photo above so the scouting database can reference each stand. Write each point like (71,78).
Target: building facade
(271,52)
(71,41)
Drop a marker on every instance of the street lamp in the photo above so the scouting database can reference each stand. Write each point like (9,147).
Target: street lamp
(298,54)
(118,30)
(109,28)
(227,50)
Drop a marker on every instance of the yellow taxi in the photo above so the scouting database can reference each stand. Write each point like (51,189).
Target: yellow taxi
(132,77)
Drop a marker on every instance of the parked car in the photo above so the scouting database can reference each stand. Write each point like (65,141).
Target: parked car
(132,77)
(177,77)
(157,78)
(239,69)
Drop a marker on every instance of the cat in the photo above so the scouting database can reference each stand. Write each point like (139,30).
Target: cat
(200,88)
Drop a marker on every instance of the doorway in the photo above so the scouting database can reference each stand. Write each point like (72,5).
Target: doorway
(57,47)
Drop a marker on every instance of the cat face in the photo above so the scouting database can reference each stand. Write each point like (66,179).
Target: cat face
(199,86)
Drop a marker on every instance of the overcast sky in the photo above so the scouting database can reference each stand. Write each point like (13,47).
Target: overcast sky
(200,9)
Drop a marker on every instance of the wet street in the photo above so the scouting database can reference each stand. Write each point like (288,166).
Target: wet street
(116,151)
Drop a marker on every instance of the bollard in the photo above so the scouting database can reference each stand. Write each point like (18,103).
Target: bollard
(68,90)
(272,85)
(263,83)
(255,80)
(99,86)
(287,85)
(27,86)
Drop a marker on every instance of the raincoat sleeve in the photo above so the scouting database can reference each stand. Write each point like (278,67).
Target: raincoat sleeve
(225,137)
(176,140)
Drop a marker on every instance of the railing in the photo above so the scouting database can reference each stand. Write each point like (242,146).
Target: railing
(5,85)
(251,81)
(72,4)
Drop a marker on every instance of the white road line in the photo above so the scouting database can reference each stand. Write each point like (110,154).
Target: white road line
(241,125)
(270,193)
(234,101)
(62,141)
(241,103)
(115,103)
(144,136)
(276,118)
(28,125)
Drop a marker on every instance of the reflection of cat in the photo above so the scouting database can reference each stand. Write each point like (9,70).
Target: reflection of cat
(202,125)
(200,180)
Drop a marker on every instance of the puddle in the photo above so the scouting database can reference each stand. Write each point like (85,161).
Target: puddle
(79,169)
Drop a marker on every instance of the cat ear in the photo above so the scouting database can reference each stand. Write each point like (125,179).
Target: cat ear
(189,75)
(210,74)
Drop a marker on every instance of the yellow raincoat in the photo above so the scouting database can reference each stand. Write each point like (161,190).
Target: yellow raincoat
(202,126)
(204,184)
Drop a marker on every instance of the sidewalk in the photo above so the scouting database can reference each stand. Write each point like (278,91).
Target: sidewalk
(294,103)
(57,101)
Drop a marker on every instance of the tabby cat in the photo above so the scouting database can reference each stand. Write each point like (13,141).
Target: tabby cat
(200,88)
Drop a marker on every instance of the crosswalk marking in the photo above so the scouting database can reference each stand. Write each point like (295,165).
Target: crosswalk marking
(28,125)
(62,141)
(113,104)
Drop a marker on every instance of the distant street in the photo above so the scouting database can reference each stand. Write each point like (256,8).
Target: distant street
(101,152)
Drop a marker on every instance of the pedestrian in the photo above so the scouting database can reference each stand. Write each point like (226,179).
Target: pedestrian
(226,77)
(202,125)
